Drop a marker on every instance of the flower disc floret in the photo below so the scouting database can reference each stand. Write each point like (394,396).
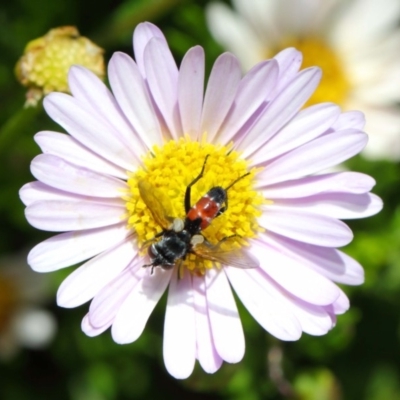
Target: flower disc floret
(170,169)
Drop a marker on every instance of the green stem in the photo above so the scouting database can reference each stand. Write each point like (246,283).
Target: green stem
(16,124)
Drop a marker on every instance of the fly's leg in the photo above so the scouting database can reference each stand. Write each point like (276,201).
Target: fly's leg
(188,189)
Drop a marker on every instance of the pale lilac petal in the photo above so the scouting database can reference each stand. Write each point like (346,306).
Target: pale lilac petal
(90,91)
(294,276)
(88,129)
(322,153)
(220,93)
(143,33)
(132,96)
(69,149)
(335,205)
(71,248)
(339,182)
(60,216)
(137,307)
(289,61)
(208,358)
(350,120)
(252,93)
(306,226)
(341,305)
(190,91)
(307,125)
(332,263)
(225,322)
(85,282)
(281,109)
(108,300)
(90,330)
(265,308)
(179,346)
(38,192)
(310,318)
(162,78)
(314,320)
(61,174)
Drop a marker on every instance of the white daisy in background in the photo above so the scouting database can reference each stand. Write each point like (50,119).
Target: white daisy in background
(355,42)
(23,322)
(155,130)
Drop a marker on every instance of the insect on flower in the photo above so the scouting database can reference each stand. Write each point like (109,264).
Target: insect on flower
(182,237)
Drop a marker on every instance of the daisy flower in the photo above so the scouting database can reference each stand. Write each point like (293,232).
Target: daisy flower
(124,167)
(356,43)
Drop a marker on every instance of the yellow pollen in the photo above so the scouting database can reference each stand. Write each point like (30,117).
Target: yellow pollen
(334,85)
(169,170)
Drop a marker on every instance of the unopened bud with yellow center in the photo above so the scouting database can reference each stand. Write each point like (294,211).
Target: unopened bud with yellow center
(44,66)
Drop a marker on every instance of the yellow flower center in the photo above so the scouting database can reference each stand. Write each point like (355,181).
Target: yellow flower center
(334,85)
(169,170)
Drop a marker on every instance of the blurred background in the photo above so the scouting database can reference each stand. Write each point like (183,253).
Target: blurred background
(44,354)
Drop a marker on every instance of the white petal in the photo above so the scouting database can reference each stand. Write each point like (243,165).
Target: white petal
(317,155)
(342,304)
(281,109)
(179,346)
(234,34)
(137,307)
(225,322)
(206,353)
(294,315)
(307,125)
(220,93)
(253,90)
(306,226)
(89,129)
(162,78)
(63,175)
(339,182)
(331,263)
(38,192)
(294,276)
(85,282)
(90,91)
(190,91)
(90,330)
(69,149)
(314,320)
(143,33)
(363,21)
(266,308)
(132,96)
(289,61)
(59,216)
(350,120)
(70,248)
(107,302)
(335,205)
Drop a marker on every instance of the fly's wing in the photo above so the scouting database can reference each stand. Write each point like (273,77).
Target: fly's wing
(157,202)
(234,257)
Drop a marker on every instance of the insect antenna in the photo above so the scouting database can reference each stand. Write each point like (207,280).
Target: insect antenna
(237,180)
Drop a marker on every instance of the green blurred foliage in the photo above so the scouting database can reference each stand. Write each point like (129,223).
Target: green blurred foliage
(359,359)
